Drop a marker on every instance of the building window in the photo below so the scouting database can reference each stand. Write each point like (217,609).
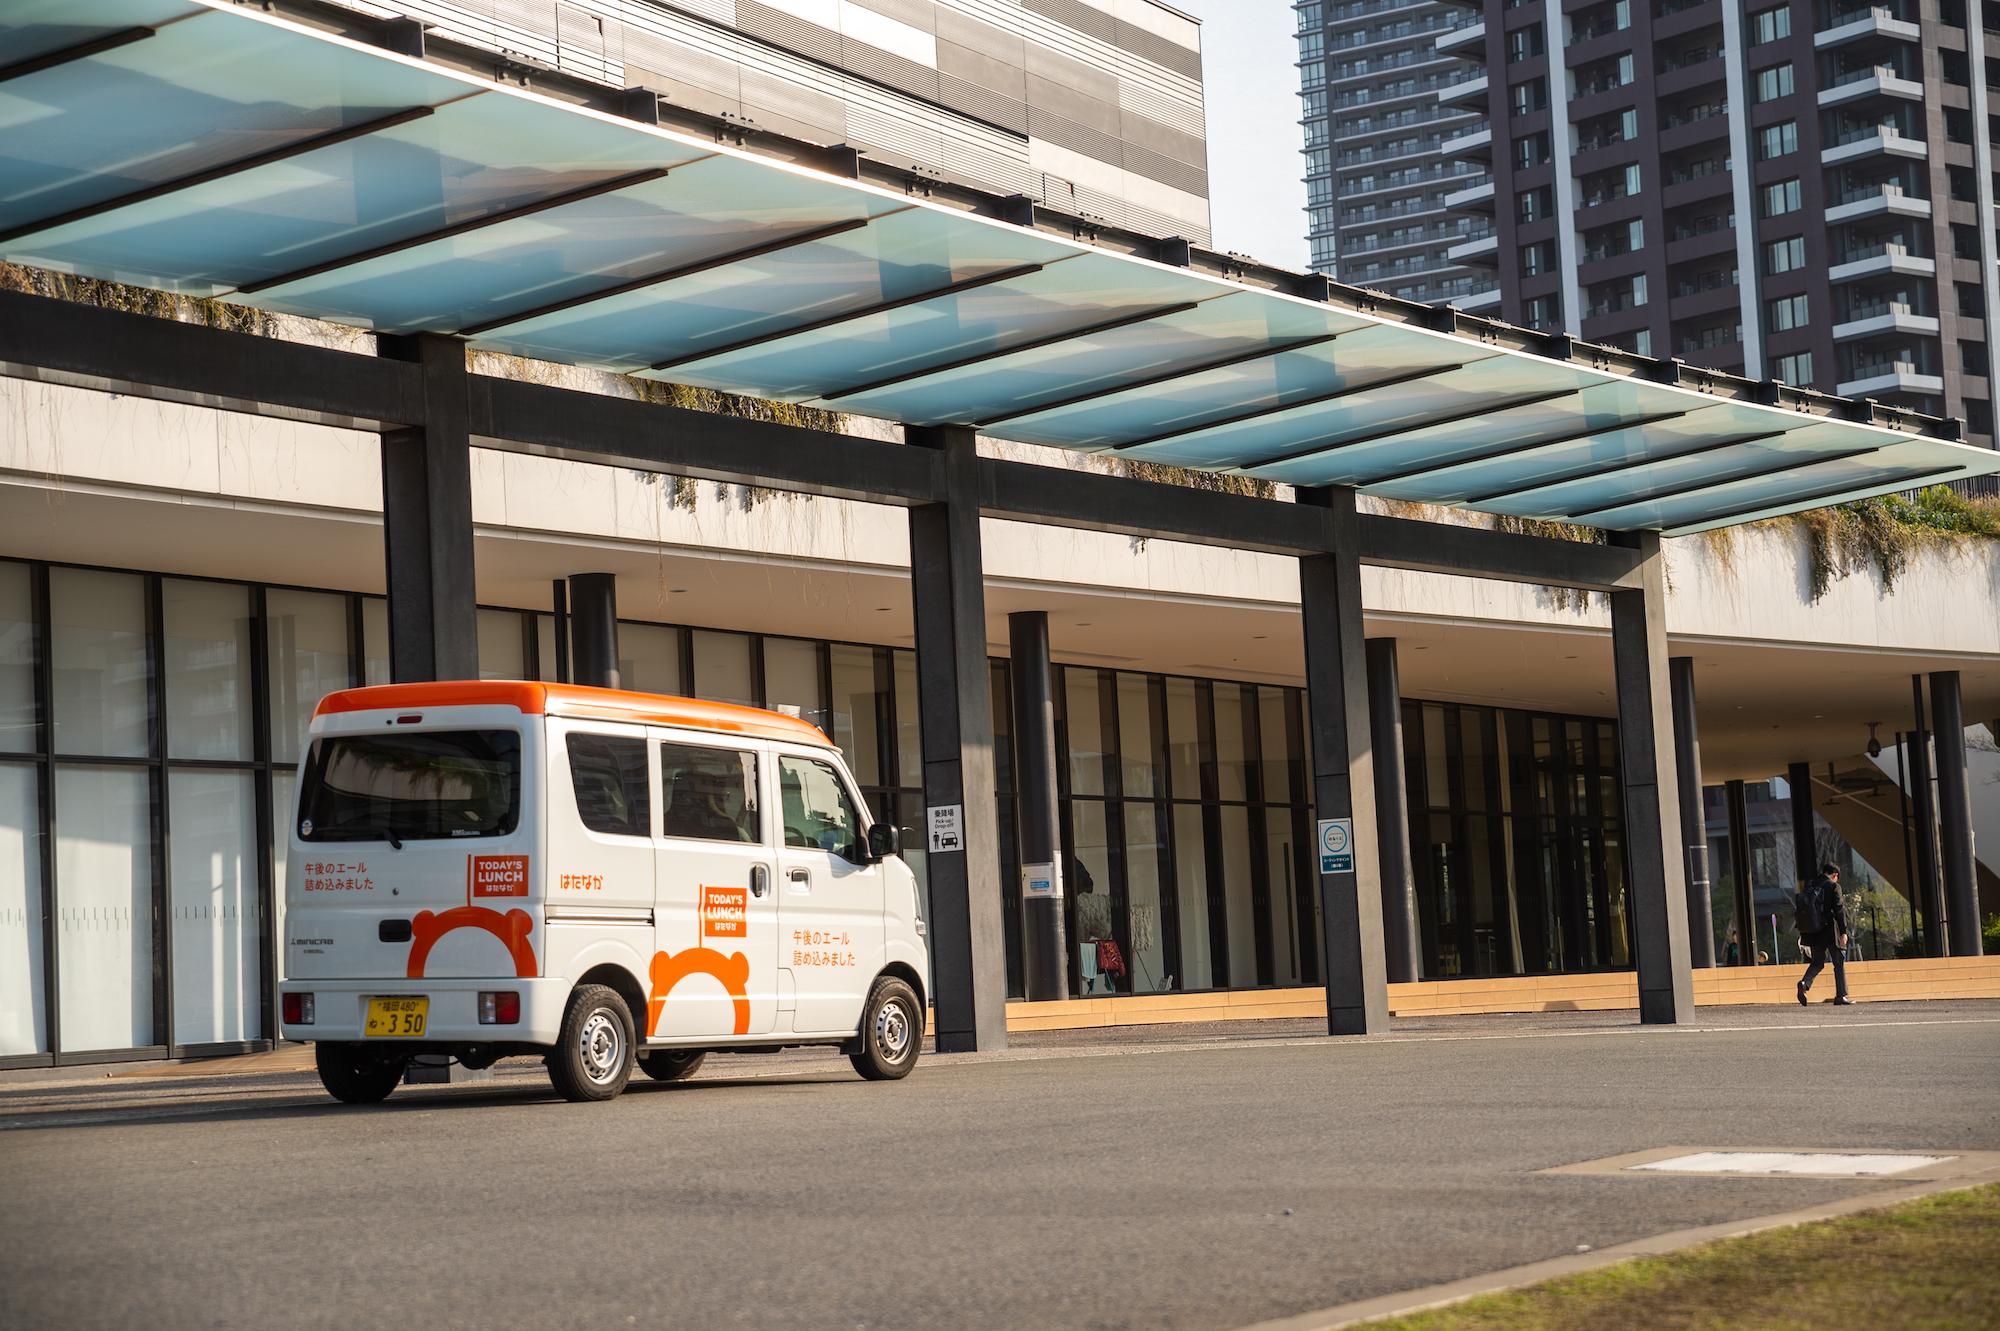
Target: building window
(1538,258)
(1312,45)
(1777,140)
(1795,369)
(1319,190)
(1308,17)
(1784,256)
(1531,149)
(1786,313)
(1543,312)
(1533,205)
(1770,25)
(1781,198)
(1528,95)
(1774,82)
(1524,43)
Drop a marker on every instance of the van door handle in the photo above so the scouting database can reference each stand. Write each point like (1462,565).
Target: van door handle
(801,879)
(760,880)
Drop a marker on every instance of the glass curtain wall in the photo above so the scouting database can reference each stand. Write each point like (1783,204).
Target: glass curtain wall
(1515,840)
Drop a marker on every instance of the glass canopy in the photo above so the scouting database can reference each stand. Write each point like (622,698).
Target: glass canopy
(217,150)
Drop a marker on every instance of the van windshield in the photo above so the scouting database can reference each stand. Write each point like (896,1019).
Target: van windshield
(420,785)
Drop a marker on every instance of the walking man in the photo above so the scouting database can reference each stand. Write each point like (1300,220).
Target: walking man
(1821,918)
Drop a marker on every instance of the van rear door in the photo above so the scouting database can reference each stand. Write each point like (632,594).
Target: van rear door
(397,826)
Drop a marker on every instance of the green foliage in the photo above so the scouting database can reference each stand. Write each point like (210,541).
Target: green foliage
(1887,530)
(1221,482)
(134,300)
(1566,598)
(1989,934)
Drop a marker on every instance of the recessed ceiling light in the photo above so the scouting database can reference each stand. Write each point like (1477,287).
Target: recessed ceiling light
(1259,637)
(1083,623)
(677,591)
(880,608)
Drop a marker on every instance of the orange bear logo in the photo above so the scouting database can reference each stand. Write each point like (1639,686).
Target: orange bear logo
(670,968)
(512,929)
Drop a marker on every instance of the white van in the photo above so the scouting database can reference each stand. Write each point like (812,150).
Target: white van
(592,877)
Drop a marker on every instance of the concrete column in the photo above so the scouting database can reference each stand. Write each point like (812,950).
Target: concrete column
(1805,856)
(1929,896)
(948,594)
(1656,886)
(1045,955)
(1954,799)
(559,596)
(1392,814)
(593,629)
(1357,991)
(1694,828)
(427,522)
(1738,807)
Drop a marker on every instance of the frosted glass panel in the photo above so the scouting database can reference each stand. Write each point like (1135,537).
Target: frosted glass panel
(502,650)
(23,1015)
(1236,891)
(1152,969)
(213,889)
(99,627)
(649,658)
(1191,895)
(207,652)
(309,657)
(722,667)
(104,907)
(375,641)
(17,659)
(792,678)
(284,801)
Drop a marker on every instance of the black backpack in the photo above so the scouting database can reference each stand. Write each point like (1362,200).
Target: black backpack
(1807,917)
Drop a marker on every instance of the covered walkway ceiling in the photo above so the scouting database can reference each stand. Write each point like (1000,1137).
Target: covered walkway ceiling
(216,150)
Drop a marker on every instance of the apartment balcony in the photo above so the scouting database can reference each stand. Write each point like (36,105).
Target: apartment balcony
(1479,302)
(1884,200)
(1874,318)
(1876,141)
(1886,260)
(1468,42)
(1876,22)
(1476,197)
(1481,250)
(1476,144)
(1875,81)
(1874,378)
(1465,92)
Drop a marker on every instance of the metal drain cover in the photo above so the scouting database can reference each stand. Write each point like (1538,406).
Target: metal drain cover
(1818,1163)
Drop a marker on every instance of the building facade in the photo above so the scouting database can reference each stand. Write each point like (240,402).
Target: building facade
(1794,191)
(1381,98)
(1085,106)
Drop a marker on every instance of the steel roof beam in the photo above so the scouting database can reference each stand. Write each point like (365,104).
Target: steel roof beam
(865,312)
(1316,400)
(110,41)
(312,143)
(1033,344)
(794,240)
(1909,480)
(1631,464)
(1390,432)
(466,227)
(1789,462)
(1515,449)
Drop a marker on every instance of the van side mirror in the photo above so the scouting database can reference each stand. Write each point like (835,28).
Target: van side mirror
(884,840)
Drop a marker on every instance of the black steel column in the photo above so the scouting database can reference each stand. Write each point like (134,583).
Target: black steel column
(427,522)
(1392,813)
(1656,886)
(1045,955)
(1954,800)
(1924,808)
(948,594)
(1694,826)
(1805,852)
(559,596)
(593,629)
(1357,992)
(1745,904)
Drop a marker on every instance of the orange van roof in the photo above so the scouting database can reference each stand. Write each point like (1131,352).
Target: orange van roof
(534,698)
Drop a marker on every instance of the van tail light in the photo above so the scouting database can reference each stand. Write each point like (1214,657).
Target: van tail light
(499,1009)
(298,1009)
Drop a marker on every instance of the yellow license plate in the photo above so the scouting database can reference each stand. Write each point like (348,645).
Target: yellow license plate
(397,1018)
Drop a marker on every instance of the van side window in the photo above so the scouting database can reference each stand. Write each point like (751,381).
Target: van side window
(608,773)
(711,794)
(818,813)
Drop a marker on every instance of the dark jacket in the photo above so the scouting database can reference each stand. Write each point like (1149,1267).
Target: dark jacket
(1832,910)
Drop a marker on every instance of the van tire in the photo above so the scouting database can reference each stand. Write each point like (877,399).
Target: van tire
(593,1059)
(892,1031)
(672,1064)
(354,1077)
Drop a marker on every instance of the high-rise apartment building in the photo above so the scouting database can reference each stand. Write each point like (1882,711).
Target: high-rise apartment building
(1382,103)
(1797,191)
(1091,107)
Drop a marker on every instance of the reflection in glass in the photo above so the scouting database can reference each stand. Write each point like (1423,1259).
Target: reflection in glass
(649,659)
(306,635)
(1145,853)
(100,662)
(23,1016)
(502,650)
(104,907)
(1231,757)
(17,659)
(1083,712)
(1135,734)
(206,649)
(792,678)
(218,970)
(1093,915)
(1191,896)
(1288,959)
(1275,745)
(722,667)
(1183,740)
(909,723)
(857,710)
(1237,890)
(375,641)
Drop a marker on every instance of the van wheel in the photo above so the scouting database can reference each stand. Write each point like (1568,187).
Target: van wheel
(592,1059)
(672,1064)
(892,1031)
(355,1077)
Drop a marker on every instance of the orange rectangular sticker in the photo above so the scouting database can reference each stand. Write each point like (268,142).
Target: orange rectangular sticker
(499,875)
(722,913)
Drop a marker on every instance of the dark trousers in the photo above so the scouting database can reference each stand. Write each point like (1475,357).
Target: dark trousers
(1824,950)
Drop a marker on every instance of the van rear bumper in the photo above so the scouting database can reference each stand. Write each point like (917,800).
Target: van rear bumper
(341,1010)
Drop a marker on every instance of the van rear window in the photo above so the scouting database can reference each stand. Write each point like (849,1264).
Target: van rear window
(417,786)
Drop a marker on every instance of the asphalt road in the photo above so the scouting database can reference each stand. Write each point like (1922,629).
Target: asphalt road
(1165,1180)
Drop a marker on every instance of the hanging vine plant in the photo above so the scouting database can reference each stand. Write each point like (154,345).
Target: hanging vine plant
(104,295)
(1887,531)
